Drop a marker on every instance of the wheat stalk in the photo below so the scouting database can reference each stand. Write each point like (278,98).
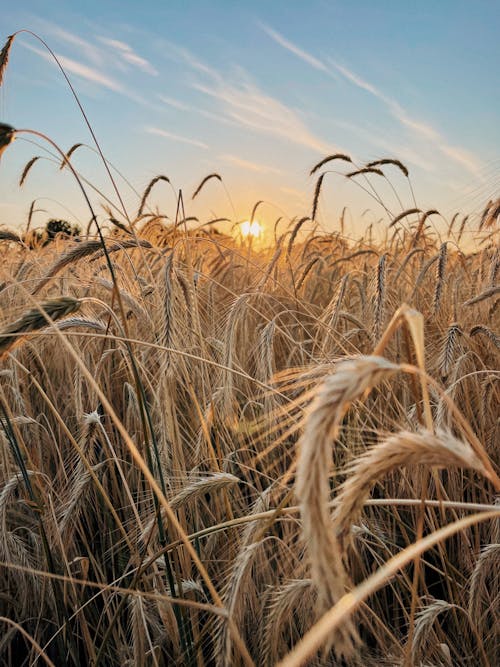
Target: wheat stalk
(380,294)
(441,268)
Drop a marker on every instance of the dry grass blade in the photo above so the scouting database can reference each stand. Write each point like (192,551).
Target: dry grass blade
(35,645)
(329,158)
(36,319)
(462,228)
(203,182)
(380,298)
(452,223)
(307,270)
(124,244)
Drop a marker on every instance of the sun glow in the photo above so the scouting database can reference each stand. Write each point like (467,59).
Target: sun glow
(251,229)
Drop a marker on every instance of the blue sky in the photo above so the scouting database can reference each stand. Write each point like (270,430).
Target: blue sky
(258,92)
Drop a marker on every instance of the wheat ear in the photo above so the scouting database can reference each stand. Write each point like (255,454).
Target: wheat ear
(351,379)
(4,56)
(36,319)
(402,449)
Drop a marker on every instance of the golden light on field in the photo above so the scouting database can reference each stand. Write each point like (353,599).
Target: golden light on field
(251,229)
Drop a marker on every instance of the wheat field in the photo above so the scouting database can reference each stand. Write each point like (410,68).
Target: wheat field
(219,452)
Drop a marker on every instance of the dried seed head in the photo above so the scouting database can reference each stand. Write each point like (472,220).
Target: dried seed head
(7,133)
(365,170)
(36,319)
(329,158)
(4,56)
(200,186)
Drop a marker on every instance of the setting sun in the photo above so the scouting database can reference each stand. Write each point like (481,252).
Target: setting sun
(253,229)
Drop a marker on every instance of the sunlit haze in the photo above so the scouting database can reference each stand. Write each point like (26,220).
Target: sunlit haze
(253,229)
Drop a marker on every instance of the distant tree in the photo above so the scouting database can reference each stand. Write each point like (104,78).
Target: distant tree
(55,227)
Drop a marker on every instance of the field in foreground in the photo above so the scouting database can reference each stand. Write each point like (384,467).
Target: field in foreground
(204,449)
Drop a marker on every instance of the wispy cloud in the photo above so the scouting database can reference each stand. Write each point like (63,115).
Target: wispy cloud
(394,107)
(127,53)
(182,55)
(293,48)
(89,50)
(171,102)
(423,130)
(293,192)
(242,103)
(252,108)
(252,166)
(100,50)
(93,75)
(417,127)
(176,137)
(461,156)
(80,69)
